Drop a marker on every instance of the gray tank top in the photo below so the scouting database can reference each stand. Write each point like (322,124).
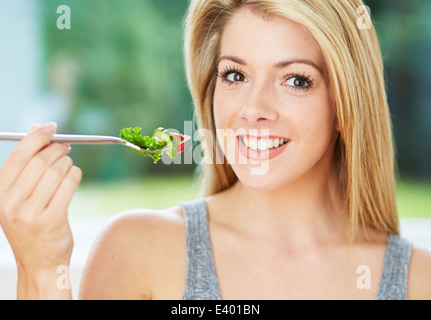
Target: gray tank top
(201,279)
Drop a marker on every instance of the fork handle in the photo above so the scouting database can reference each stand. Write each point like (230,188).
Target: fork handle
(67,138)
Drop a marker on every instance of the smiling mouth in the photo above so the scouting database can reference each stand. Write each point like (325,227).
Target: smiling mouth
(263,144)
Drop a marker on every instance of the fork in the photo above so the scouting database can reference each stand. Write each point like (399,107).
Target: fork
(92,139)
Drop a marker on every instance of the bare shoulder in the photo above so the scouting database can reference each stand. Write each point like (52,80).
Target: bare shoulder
(135,255)
(419,279)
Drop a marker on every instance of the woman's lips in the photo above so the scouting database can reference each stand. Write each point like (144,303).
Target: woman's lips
(267,154)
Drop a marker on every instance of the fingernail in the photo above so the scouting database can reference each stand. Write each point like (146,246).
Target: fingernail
(50,127)
(34,127)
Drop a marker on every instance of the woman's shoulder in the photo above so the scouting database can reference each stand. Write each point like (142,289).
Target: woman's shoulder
(135,254)
(153,221)
(139,227)
(419,278)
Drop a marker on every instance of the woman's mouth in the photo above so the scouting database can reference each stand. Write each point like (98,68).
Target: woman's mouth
(261,148)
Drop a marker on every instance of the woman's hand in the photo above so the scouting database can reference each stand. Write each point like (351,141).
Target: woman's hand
(37,183)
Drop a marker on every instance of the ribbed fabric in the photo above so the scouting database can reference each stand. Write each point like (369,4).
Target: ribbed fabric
(393,284)
(201,280)
(202,283)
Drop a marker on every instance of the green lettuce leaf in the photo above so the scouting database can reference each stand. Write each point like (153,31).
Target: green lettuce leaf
(134,136)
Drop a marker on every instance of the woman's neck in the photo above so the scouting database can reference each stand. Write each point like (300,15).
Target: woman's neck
(309,209)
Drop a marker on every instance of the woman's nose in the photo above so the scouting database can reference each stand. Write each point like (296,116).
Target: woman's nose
(259,106)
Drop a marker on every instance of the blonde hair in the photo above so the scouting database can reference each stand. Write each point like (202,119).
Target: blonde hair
(364,152)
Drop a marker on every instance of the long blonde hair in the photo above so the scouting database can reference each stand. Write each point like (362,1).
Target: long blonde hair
(364,152)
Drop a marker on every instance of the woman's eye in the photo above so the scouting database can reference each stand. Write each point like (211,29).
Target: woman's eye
(297,82)
(232,76)
(236,77)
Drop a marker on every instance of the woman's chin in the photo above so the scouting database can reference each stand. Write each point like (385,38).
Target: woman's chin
(260,182)
(263,178)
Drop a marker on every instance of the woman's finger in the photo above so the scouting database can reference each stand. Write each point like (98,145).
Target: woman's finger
(63,196)
(30,177)
(37,139)
(50,183)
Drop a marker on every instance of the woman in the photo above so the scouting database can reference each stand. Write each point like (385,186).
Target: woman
(302,205)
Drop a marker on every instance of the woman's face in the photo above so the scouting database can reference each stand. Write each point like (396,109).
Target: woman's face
(272,104)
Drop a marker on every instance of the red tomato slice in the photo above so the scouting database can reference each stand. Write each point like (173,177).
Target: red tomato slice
(180,148)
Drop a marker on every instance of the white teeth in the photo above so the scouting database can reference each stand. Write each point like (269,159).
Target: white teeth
(263,144)
(270,143)
(252,143)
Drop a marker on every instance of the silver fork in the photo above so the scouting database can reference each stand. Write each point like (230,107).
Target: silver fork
(89,139)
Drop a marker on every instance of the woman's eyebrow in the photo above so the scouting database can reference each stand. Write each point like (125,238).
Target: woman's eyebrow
(278,65)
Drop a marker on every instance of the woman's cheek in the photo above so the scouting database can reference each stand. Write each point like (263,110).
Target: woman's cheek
(223,111)
(316,131)
(220,115)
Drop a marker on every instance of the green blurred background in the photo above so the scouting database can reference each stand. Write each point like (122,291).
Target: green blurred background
(121,64)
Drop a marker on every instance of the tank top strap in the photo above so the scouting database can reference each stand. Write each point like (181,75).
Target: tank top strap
(201,278)
(393,283)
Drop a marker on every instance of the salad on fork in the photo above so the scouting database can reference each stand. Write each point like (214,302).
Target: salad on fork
(162,141)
